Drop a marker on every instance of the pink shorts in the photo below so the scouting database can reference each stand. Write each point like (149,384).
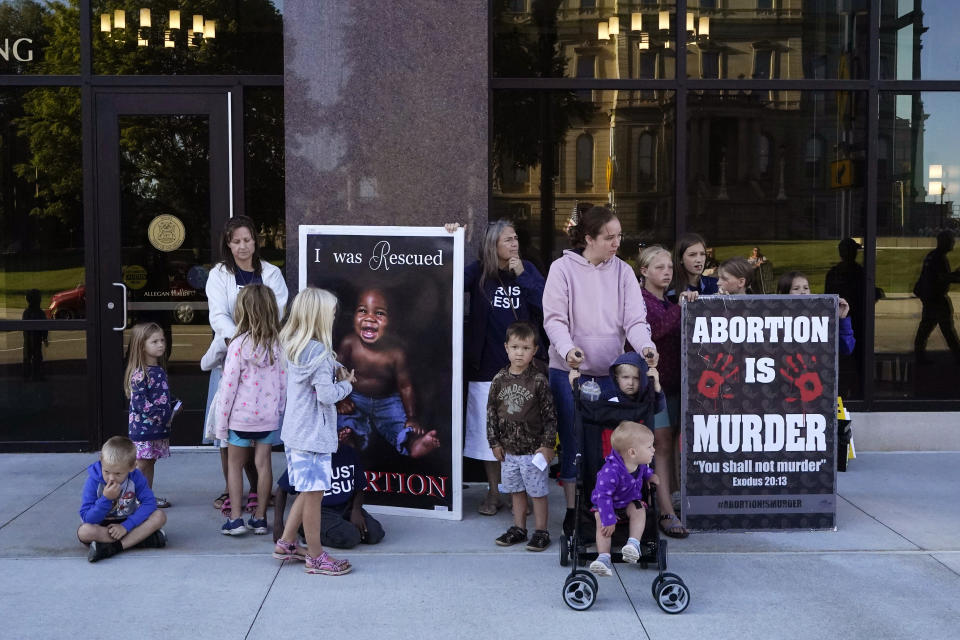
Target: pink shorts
(153,449)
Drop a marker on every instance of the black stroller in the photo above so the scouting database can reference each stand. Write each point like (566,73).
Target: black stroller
(580,587)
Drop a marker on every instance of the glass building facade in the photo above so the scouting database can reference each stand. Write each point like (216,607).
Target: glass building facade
(785,125)
(129,132)
(126,132)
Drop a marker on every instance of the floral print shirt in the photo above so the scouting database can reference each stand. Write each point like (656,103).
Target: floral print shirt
(151,406)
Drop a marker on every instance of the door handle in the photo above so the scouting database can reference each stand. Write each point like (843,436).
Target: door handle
(124,325)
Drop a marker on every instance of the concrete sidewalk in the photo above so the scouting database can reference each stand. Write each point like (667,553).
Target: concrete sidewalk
(892,570)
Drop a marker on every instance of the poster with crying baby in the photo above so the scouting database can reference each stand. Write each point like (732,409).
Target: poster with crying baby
(399,326)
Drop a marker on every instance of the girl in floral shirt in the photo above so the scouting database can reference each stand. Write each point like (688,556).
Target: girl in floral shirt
(152,408)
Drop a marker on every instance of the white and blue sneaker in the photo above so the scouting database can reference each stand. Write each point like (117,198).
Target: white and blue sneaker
(601,566)
(233,527)
(631,551)
(259,527)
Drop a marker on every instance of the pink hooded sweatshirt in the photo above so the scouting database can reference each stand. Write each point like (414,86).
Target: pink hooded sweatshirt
(253,390)
(595,308)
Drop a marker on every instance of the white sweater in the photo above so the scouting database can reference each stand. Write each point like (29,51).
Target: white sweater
(222,291)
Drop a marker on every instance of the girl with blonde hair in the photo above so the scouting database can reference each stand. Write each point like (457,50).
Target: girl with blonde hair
(315,383)
(656,273)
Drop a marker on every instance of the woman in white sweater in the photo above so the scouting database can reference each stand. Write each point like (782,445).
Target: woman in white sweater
(240,266)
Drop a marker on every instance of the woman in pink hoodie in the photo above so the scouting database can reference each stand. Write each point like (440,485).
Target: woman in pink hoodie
(592,304)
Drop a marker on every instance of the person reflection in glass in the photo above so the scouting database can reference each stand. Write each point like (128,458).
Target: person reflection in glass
(33,341)
(933,288)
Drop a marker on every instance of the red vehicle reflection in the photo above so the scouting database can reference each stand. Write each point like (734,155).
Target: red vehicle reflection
(67,305)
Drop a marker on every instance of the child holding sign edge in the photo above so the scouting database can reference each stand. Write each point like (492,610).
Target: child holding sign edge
(796,283)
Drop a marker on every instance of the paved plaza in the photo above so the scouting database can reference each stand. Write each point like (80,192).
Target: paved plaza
(891,570)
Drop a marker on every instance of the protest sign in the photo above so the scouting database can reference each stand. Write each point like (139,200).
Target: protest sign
(400,327)
(759,412)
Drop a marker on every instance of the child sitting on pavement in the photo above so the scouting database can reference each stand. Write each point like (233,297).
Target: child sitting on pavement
(619,492)
(119,510)
(345,523)
(522,427)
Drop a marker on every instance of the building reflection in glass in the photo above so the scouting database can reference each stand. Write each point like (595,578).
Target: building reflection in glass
(603,39)
(606,147)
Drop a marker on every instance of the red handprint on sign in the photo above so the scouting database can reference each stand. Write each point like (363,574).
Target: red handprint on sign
(713,377)
(800,372)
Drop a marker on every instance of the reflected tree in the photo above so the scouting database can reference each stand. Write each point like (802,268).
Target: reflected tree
(528,126)
(44,144)
(42,139)
(264,167)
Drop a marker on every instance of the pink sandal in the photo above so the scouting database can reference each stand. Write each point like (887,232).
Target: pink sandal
(284,550)
(252,502)
(324,564)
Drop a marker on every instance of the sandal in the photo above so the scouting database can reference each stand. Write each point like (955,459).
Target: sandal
(490,505)
(284,550)
(223,498)
(674,528)
(252,502)
(326,565)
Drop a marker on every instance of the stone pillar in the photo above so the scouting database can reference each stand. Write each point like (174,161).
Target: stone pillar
(385,115)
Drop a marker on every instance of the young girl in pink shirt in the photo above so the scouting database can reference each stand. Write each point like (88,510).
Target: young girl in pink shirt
(250,401)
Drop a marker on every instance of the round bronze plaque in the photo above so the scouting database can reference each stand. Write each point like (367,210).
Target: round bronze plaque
(166,232)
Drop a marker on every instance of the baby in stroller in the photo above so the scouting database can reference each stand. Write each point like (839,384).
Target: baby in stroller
(618,494)
(638,398)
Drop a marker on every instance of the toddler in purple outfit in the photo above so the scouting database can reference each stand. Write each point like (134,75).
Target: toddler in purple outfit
(619,492)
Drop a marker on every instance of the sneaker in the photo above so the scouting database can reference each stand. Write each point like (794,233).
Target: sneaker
(101,550)
(514,535)
(326,565)
(156,540)
(233,527)
(163,503)
(284,550)
(259,527)
(630,552)
(539,541)
(601,567)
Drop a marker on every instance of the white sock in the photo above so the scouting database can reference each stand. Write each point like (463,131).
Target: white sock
(634,542)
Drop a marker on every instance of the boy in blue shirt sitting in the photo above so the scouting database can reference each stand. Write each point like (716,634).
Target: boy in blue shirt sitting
(119,510)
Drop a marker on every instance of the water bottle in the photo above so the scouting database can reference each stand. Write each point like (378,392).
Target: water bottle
(590,390)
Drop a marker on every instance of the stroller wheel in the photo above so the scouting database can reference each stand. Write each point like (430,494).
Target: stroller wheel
(660,579)
(580,591)
(673,596)
(662,554)
(564,551)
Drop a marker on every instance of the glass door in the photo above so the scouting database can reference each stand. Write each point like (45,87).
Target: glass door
(162,186)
